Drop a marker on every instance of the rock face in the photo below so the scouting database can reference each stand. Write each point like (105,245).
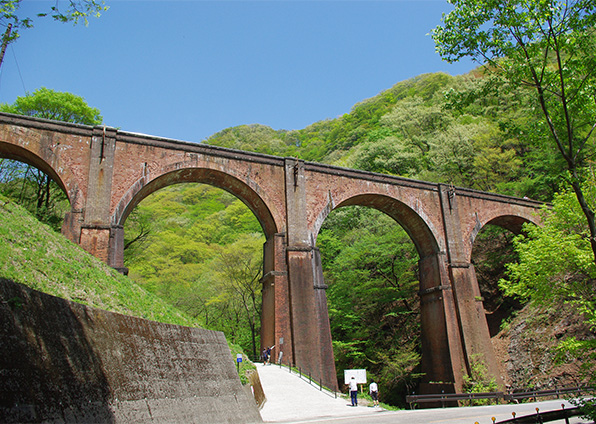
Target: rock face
(527,348)
(62,361)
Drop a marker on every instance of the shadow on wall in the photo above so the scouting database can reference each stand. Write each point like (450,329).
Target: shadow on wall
(64,362)
(50,370)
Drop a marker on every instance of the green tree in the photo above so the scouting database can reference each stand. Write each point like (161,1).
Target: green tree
(74,11)
(555,267)
(56,105)
(34,189)
(240,266)
(479,380)
(454,151)
(388,155)
(416,121)
(555,258)
(548,47)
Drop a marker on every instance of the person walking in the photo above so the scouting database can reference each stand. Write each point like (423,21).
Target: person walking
(374,393)
(353,391)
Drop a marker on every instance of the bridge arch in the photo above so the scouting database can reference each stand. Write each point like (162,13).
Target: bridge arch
(413,223)
(48,163)
(513,223)
(143,187)
(495,306)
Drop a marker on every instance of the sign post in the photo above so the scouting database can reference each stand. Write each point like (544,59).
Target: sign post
(238,360)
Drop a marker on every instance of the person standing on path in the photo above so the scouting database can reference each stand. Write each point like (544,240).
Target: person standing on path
(353,391)
(374,393)
(269,354)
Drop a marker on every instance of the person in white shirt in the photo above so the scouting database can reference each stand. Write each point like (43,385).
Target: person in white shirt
(353,391)
(374,393)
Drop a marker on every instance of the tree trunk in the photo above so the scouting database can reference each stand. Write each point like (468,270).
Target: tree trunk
(588,213)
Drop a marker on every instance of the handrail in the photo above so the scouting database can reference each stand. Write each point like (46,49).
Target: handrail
(445,398)
(308,378)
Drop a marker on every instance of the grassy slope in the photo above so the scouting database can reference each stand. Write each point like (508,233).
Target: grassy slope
(34,255)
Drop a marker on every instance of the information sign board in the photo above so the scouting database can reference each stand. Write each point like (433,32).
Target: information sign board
(359,375)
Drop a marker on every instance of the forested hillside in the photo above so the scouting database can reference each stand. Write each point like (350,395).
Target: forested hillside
(200,248)
(434,127)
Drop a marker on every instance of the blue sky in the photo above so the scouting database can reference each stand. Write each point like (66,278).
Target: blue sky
(187,69)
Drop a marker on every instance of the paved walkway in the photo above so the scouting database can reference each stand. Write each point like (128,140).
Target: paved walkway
(290,398)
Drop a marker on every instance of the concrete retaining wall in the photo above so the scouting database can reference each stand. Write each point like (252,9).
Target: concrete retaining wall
(63,362)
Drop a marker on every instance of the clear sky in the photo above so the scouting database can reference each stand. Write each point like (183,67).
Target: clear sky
(187,69)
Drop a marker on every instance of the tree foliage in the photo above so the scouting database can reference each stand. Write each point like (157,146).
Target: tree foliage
(203,254)
(555,266)
(75,11)
(555,258)
(548,47)
(56,105)
(240,268)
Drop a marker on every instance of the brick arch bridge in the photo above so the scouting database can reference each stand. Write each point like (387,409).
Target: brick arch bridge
(106,173)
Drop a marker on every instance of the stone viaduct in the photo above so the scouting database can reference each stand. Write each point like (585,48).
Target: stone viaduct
(106,173)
